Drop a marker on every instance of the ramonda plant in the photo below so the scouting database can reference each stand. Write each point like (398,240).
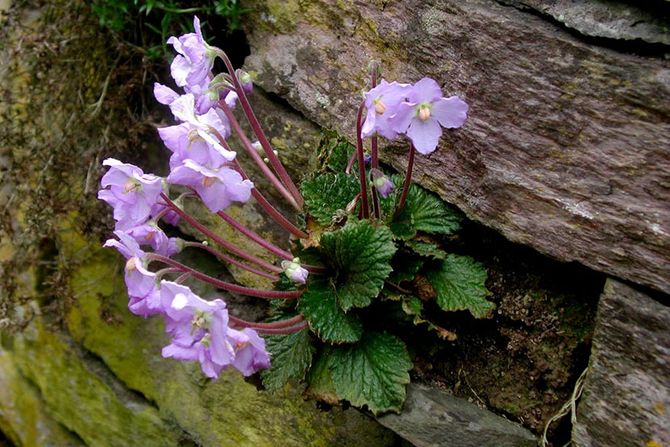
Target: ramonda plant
(351,266)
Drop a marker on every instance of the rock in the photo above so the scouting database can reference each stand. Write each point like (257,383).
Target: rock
(626,398)
(618,20)
(25,421)
(432,418)
(566,147)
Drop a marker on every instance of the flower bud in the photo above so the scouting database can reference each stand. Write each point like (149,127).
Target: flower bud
(246,80)
(294,271)
(381,183)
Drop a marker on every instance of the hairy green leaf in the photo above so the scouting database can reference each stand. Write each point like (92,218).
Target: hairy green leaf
(328,195)
(424,211)
(372,372)
(426,249)
(320,381)
(291,356)
(360,255)
(319,306)
(405,266)
(460,285)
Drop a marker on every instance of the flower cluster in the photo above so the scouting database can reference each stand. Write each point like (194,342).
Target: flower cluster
(419,111)
(203,167)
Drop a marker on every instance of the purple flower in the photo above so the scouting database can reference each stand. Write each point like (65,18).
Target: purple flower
(195,60)
(187,142)
(217,188)
(246,80)
(294,271)
(381,183)
(382,103)
(164,94)
(250,353)
(199,329)
(150,234)
(143,295)
(131,193)
(425,111)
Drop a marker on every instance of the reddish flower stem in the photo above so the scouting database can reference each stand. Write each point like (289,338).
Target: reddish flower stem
(271,210)
(374,152)
(282,331)
(253,153)
(255,125)
(365,212)
(219,240)
(224,257)
(408,181)
(255,237)
(274,325)
(230,287)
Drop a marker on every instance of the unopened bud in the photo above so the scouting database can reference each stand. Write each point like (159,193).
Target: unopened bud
(294,271)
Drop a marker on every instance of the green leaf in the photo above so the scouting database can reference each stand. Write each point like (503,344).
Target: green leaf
(372,372)
(320,381)
(426,249)
(328,195)
(360,255)
(424,211)
(339,156)
(291,356)
(460,285)
(319,306)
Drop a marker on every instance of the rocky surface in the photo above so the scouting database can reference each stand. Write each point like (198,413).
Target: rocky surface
(611,19)
(432,418)
(626,398)
(566,147)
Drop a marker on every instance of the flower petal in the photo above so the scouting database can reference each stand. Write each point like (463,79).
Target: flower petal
(451,112)
(425,135)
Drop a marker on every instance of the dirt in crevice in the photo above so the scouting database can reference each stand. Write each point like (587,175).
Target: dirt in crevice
(524,361)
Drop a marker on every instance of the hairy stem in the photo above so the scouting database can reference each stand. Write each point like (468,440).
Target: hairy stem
(282,331)
(365,212)
(255,125)
(274,325)
(267,172)
(271,210)
(229,259)
(408,181)
(230,287)
(255,237)
(219,240)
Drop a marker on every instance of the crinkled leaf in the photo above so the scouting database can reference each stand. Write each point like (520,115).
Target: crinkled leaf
(339,156)
(424,211)
(319,306)
(291,356)
(426,249)
(328,195)
(360,255)
(372,372)
(320,381)
(459,282)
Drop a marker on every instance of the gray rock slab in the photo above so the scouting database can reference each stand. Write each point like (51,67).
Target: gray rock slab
(611,19)
(626,400)
(567,147)
(432,418)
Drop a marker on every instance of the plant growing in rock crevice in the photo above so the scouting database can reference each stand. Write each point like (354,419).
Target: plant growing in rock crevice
(365,242)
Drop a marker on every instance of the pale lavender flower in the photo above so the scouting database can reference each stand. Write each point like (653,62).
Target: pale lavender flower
(250,353)
(426,112)
(199,329)
(382,103)
(188,142)
(164,94)
(217,188)
(246,80)
(294,271)
(130,192)
(381,183)
(152,235)
(143,295)
(195,60)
